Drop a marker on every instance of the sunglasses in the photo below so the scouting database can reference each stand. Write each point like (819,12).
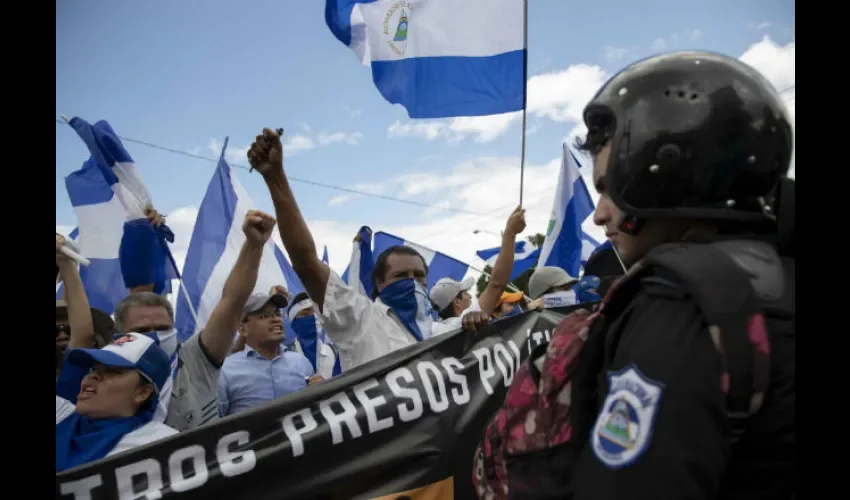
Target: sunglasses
(63,328)
(266,315)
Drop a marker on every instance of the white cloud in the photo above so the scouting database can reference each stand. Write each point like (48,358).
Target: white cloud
(681,40)
(562,95)
(559,96)
(487,186)
(292,145)
(369,188)
(777,63)
(340,199)
(352,138)
(759,26)
(437,209)
(613,53)
(426,130)
(234,154)
(481,128)
(304,140)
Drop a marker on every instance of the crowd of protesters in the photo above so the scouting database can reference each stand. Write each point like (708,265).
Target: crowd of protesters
(125,380)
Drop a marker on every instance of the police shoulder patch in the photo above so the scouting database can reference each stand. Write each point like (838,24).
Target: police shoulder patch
(624,426)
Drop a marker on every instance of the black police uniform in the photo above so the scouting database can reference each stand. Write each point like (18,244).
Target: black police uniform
(700,136)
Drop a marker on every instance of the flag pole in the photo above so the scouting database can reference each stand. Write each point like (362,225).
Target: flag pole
(524,96)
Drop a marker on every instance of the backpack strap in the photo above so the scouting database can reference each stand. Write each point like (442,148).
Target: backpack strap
(786,222)
(718,277)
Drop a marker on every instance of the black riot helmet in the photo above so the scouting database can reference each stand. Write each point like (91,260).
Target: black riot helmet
(693,134)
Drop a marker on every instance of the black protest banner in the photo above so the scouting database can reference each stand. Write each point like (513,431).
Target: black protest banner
(405,425)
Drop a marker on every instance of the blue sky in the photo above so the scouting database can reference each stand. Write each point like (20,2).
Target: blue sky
(186,74)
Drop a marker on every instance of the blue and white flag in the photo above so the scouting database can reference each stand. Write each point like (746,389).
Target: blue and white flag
(601,247)
(216,241)
(438,58)
(325,256)
(109,199)
(143,251)
(589,245)
(525,256)
(564,244)
(358,274)
(100,219)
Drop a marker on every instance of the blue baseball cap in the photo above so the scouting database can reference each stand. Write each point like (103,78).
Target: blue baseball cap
(132,351)
(588,283)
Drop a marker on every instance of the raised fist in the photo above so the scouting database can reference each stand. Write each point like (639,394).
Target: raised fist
(258,227)
(266,153)
(279,290)
(516,222)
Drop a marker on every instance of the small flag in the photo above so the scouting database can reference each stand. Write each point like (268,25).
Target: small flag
(564,243)
(525,256)
(358,274)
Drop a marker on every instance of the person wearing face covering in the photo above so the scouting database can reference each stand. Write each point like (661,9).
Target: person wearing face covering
(554,286)
(509,304)
(400,314)
(314,342)
(587,288)
(117,400)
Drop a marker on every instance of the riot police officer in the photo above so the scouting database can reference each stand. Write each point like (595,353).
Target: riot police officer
(692,394)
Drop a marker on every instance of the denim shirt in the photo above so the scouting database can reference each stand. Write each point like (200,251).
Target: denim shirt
(248,379)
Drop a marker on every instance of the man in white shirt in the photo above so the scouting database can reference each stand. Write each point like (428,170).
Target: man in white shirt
(362,330)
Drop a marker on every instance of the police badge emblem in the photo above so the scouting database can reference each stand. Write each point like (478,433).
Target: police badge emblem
(624,426)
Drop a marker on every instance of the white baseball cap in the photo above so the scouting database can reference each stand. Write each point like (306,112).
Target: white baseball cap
(545,277)
(446,289)
(130,350)
(259,300)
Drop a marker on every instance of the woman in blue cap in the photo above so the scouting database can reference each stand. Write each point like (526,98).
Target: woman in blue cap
(113,411)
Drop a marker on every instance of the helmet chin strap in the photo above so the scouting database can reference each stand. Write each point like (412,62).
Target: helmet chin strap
(630,225)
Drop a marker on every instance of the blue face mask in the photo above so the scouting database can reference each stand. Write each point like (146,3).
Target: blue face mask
(586,289)
(307,331)
(515,311)
(409,301)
